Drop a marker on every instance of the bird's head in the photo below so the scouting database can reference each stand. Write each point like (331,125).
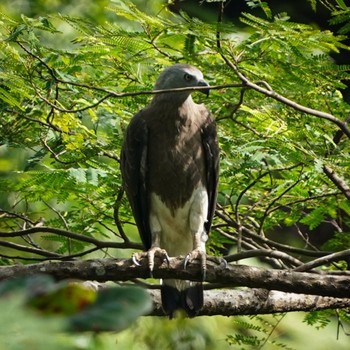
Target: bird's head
(181,76)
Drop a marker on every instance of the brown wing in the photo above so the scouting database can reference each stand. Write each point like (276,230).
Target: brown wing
(134,173)
(211,154)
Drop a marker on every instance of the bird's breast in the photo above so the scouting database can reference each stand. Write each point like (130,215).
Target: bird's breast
(176,163)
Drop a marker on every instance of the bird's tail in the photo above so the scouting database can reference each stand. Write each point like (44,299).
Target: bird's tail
(189,299)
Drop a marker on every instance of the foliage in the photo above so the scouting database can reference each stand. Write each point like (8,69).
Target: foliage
(318,319)
(262,329)
(65,105)
(78,307)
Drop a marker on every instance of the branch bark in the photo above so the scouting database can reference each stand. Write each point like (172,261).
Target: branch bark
(255,302)
(103,270)
(337,181)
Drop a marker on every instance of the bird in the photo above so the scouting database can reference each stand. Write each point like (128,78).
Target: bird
(170,169)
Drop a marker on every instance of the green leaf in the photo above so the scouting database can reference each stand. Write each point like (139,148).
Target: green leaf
(78,174)
(314,218)
(7,97)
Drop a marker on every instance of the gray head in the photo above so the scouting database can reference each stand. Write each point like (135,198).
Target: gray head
(181,76)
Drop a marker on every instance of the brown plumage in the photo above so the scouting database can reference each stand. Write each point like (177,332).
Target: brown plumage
(169,165)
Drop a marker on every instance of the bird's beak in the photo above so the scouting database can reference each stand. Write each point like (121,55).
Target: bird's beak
(204,83)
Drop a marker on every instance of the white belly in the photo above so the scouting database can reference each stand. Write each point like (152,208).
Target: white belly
(181,231)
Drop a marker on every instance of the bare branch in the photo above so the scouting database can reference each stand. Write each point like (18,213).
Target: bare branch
(32,250)
(264,253)
(112,94)
(69,234)
(324,260)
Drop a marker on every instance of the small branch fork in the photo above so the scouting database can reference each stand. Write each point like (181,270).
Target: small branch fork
(271,93)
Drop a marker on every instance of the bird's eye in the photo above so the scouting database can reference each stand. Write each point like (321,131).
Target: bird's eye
(187,77)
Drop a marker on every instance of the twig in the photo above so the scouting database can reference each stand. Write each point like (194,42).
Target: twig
(116,215)
(79,237)
(263,253)
(274,200)
(271,93)
(323,260)
(32,250)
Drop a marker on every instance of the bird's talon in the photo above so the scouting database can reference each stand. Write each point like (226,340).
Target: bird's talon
(197,254)
(134,260)
(187,258)
(224,262)
(167,258)
(218,261)
(154,252)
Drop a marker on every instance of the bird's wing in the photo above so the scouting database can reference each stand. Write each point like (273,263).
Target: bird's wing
(211,154)
(134,172)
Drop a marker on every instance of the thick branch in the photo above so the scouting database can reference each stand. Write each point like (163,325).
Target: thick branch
(232,275)
(256,301)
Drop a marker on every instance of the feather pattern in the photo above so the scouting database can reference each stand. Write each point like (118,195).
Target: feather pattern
(169,163)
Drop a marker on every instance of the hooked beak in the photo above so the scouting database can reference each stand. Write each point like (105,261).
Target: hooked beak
(204,83)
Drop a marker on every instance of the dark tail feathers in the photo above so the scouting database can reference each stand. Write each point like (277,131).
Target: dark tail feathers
(190,299)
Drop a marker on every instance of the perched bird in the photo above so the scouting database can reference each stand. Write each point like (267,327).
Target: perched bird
(169,164)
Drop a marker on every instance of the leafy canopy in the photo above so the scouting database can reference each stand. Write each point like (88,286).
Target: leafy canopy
(69,86)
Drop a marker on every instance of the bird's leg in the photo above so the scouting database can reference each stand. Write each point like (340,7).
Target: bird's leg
(197,218)
(198,252)
(155,250)
(151,254)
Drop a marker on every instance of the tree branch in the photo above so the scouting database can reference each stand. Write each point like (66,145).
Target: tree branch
(255,302)
(264,253)
(273,94)
(73,235)
(112,94)
(248,233)
(103,270)
(32,250)
(323,260)
(337,181)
